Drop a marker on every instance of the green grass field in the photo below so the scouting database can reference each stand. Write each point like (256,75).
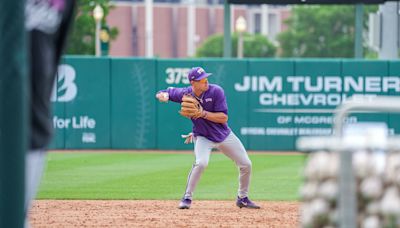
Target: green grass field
(146,175)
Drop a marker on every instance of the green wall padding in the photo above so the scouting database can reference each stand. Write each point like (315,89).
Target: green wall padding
(109,103)
(132,104)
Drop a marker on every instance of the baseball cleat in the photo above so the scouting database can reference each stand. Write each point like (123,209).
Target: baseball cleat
(185,204)
(246,202)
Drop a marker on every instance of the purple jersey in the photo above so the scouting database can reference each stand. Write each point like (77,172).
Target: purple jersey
(212,100)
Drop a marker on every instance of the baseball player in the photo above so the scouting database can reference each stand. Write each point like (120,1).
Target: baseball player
(205,104)
(47,24)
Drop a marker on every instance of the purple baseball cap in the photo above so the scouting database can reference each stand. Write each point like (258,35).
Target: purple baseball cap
(197,73)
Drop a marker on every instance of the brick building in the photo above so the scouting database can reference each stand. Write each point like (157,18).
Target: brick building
(173,30)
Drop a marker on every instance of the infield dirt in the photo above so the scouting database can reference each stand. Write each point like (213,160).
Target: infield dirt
(160,213)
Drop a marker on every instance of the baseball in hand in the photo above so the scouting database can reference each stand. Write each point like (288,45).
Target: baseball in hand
(163,97)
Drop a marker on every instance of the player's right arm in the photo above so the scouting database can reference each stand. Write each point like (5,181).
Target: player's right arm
(216,117)
(171,94)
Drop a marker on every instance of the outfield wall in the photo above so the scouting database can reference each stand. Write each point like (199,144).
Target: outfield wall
(109,103)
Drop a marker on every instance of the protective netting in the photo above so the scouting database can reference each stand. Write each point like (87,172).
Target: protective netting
(377,181)
(352,178)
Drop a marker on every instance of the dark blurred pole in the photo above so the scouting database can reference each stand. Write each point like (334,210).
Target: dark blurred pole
(227,30)
(358,42)
(13,112)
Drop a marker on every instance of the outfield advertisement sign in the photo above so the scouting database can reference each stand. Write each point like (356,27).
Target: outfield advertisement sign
(81,101)
(322,95)
(109,102)
(291,99)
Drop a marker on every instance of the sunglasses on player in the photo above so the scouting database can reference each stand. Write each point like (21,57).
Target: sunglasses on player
(203,80)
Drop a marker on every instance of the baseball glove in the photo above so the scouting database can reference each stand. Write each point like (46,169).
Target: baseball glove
(190,107)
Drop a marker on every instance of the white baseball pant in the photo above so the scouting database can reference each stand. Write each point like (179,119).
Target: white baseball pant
(233,148)
(35,163)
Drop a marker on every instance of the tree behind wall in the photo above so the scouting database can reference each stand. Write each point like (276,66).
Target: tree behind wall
(253,46)
(321,31)
(82,38)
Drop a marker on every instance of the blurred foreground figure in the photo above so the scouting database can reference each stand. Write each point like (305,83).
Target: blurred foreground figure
(47,23)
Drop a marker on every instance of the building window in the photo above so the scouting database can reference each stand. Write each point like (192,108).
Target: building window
(273,28)
(163,1)
(215,1)
(257,23)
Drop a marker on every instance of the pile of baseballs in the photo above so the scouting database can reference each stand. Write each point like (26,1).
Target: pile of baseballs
(377,176)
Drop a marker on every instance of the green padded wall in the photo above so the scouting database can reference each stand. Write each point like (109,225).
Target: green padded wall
(269,127)
(88,112)
(394,73)
(320,93)
(58,119)
(370,73)
(133,103)
(109,103)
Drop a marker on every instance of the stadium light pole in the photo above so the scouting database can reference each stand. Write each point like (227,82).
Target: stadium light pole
(358,47)
(227,30)
(98,14)
(241,26)
(149,28)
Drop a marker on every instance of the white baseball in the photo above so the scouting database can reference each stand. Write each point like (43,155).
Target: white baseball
(163,97)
